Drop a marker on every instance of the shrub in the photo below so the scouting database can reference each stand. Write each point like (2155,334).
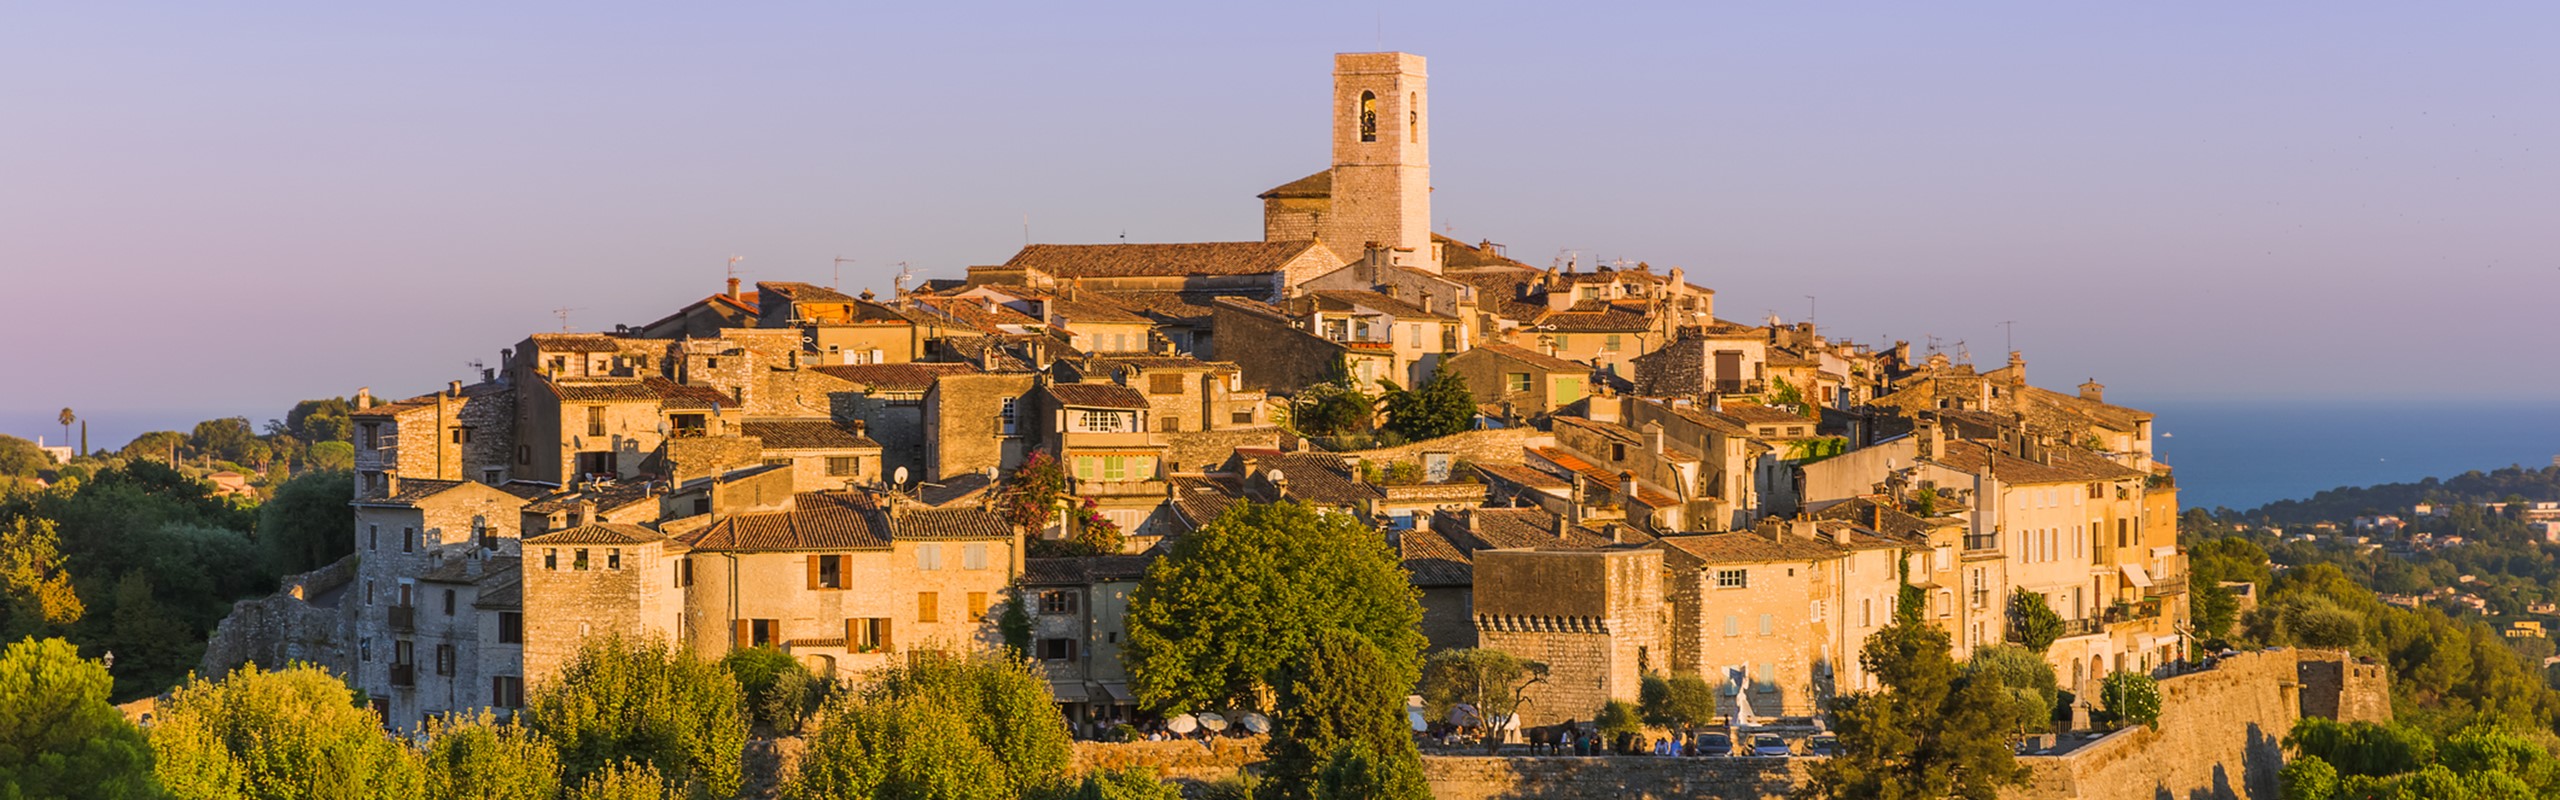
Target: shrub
(644,702)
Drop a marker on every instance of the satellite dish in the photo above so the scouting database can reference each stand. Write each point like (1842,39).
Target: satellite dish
(1212,721)
(1255,723)
(1183,724)
(991,474)
(1275,475)
(899,478)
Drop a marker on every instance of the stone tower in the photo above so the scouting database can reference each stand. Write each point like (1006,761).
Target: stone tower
(1381,191)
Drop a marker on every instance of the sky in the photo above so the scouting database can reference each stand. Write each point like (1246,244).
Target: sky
(218,209)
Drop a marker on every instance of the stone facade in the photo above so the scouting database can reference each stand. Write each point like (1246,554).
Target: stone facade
(1598,638)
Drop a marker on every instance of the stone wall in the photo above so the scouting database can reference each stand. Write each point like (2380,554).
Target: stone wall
(1184,761)
(1492,446)
(305,620)
(1610,778)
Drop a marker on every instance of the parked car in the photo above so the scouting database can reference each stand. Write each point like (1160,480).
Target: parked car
(1714,744)
(1825,745)
(1768,744)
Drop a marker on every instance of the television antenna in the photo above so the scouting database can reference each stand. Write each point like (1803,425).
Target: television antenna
(904,275)
(838,283)
(563,314)
(2008,334)
(1963,354)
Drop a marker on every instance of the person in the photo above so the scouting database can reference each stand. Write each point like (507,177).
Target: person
(1662,747)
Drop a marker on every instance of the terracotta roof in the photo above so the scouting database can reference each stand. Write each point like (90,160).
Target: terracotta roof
(1533,358)
(676,395)
(797,292)
(1431,560)
(1168,307)
(952,490)
(618,392)
(1883,517)
(411,490)
(1742,547)
(912,376)
(1602,479)
(1312,186)
(1088,307)
(1495,528)
(575,343)
(1341,300)
(1160,362)
(602,533)
(978,315)
(1317,477)
(1133,260)
(1591,316)
(950,523)
(1524,476)
(1503,292)
(1455,254)
(806,434)
(1204,498)
(605,498)
(1096,395)
(808,526)
(2064,464)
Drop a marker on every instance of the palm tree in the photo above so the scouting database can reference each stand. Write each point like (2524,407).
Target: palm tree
(67,418)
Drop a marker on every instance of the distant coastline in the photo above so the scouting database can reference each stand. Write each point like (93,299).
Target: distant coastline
(2244,454)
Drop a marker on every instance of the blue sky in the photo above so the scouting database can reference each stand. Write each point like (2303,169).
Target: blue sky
(219,210)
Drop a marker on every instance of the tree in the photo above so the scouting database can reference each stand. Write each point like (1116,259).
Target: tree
(304,525)
(1617,721)
(2024,677)
(66,418)
(331,457)
(317,421)
(478,757)
(2032,621)
(156,445)
(292,733)
(1034,492)
(2306,778)
(624,700)
(1492,681)
(1248,593)
(224,439)
(1332,409)
(1442,407)
(1682,700)
(1013,625)
(972,726)
(1341,711)
(778,689)
(21,458)
(1132,783)
(624,780)
(1931,732)
(2131,698)
(35,591)
(58,735)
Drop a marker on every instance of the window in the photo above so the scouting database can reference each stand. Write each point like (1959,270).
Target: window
(1732,625)
(1169,423)
(826,572)
(448,602)
(403,653)
(1733,578)
(372,435)
(1103,421)
(1005,416)
(1866,612)
(551,558)
(1115,468)
(595,420)
(1164,384)
(510,627)
(461,435)
(1413,117)
(480,532)
(580,562)
(1563,341)
(973,556)
(1057,649)
(756,633)
(1795,430)
(1368,116)
(364,649)
(683,572)
(690,425)
(839,466)
(1058,602)
(866,634)
(977,605)
(928,606)
(1613,343)
(408,540)
(1617,451)
(1084,468)
(1820,606)
(1768,624)
(613,558)
(524,454)
(928,557)
(372,537)
(1516,382)
(444,659)
(506,691)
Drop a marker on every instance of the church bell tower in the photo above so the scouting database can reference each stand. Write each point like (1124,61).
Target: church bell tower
(1381,159)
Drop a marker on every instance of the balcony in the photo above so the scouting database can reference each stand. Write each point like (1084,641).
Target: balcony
(2080,627)
(402,618)
(1986,541)
(404,675)
(2166,586)
(1124,488)
(1074,439)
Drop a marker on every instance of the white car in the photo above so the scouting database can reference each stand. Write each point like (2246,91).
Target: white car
(1769,745)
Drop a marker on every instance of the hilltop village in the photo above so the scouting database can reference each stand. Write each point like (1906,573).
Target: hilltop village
(1641,486)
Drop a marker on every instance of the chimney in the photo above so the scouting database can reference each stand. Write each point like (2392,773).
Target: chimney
(1561,526)
(390,483)
(2093,391)
(1578,481)
(453,389)
(364,398)
(733,288)
(1805,528)
(1626,490)
(1937,437)
(2017,368)
(1653,437)
(861,428)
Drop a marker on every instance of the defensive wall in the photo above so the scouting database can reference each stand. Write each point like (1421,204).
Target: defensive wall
(305,620)
(2219,738)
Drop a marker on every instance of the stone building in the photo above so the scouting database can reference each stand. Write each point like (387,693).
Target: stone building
(462,433)
(1514,383)
(1378,190)
(433,560)
(1598,638)
(1079,608)
(1780,611)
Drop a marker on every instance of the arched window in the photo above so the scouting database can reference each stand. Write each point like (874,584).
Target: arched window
(1413,117)
(1368,116)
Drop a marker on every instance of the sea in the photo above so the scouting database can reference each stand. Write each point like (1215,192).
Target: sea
(2244,454)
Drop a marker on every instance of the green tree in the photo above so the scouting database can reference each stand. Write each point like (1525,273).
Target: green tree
(1248,593)
(625,780)
(304,526)
(155,445)
(1931,732)
(780,692)
(323,420)
(479,758)
(284,735)
(331,457)
(59,738)
(2131,698)
(36,595)
(21,458)
(1341,701)
(1494,682)
(1013,625)
(2307,778)
(1332,409)
(224,439)
(2026,679)
(1618,720)
(973,726)
(1442,407)
(1681,700)
(2032,621)
(155,648)
(1132,783)
(2362,748)
(624,700)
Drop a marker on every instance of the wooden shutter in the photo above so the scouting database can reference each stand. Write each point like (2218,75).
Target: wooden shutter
(926,603)
(887,625)
(739,634)
(813,571)
(852,641)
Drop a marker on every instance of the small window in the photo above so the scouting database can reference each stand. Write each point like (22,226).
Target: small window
(1104,421)
(506,691)
(551,558)
(1617,451)
(840,466)
(1164,384)
(1613,343)
(1732,625)
(462,436)
(928,557)
(444,659)
(408,540)
(928,606)
(866,634)
(1768,624)
(1058,602)
(1115,468)
(613,558)
(973,556)
(448,602)
(372,537)
(1516,382)
(595,420)
(830,572)
(1169,423)
(580,562)
(1006,417)
(977,605)
(524,454)
(1057,649)
(1733,579)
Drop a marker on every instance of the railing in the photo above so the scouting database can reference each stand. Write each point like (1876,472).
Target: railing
(2079,627)
(1141,487)
(2167,586)
(403,618)
(404,674)
(1982,541)
(1981,598)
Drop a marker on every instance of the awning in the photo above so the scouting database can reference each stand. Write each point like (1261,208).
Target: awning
(1112,693)
(1067,692)
(2134,574)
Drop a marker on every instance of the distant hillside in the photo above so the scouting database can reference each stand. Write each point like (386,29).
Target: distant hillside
(2347,502)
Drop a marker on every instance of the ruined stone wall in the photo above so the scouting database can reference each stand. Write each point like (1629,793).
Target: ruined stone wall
(1493,446)
(289,626)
